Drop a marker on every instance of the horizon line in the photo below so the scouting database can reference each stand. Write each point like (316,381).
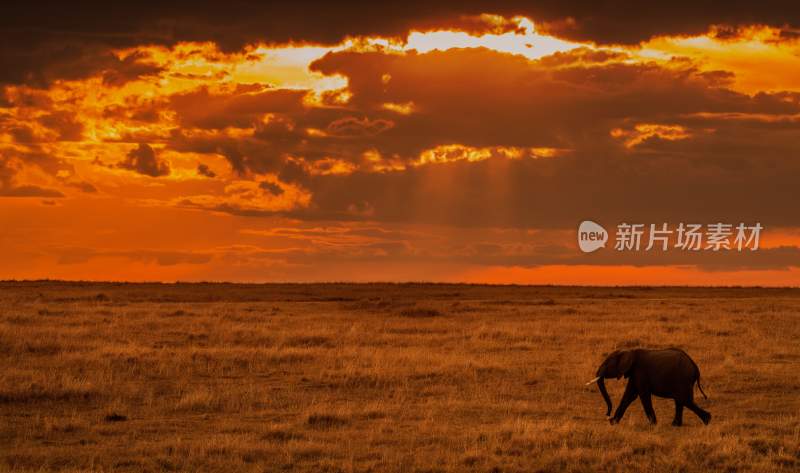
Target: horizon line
(396,283)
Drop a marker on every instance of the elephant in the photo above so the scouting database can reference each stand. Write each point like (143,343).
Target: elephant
(668,373)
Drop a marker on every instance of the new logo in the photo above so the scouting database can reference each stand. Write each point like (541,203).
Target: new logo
(591,236)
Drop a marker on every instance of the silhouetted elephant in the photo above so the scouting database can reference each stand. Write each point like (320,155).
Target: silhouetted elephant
(668,373)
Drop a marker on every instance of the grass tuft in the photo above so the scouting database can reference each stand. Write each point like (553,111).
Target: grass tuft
(420,312)
(325,421)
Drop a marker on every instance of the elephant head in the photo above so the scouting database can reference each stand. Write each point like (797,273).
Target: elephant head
(616,365)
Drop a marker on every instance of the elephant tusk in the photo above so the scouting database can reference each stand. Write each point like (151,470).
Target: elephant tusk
(593,381)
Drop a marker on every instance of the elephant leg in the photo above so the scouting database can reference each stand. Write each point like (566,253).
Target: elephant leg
(627,398)
(647,403)
(705,416)
(678,420)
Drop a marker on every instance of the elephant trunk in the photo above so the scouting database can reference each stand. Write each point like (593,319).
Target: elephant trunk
(601,385)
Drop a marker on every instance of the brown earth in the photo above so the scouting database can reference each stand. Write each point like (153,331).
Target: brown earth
(385,377)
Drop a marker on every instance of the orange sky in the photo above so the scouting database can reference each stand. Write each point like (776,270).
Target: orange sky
(443,147)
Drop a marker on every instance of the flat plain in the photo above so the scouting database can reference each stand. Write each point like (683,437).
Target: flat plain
(385,377)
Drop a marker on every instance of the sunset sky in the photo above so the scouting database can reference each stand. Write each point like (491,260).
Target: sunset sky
(331,141)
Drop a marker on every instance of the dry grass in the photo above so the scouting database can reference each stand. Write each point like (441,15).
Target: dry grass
(114,377)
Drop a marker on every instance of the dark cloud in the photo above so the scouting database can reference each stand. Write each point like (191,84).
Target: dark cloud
(53,56)
(582,55)
(352,126)
(73,40)
(28,97)
(22,134)
(204,170)
(482,98)
(271,188)
(12,164)
(241,108)
(4,99)
(630,22)
(558,192)
(83,186)
(136,109)
(727,141)
(234,24)
(143,160)
(66,124)
(133,67)
(35,126)
(29,191)
(530,106)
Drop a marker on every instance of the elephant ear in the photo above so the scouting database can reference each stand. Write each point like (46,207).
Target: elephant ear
(626,359)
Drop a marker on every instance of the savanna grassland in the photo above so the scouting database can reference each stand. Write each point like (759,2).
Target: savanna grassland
(382,377)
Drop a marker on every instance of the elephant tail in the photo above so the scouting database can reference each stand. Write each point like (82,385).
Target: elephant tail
(701,388)
(697,371)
